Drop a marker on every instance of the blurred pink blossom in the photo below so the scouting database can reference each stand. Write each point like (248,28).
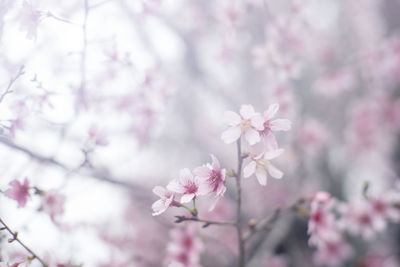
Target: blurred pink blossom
(166,200)
(19,192)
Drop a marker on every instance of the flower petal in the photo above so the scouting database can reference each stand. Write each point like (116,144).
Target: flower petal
(247,111)
(158,207)
(274,172)
(280,125)
(159,191)
(257,122)
(185,176)
(215,163)
(249,169)
(261,176)
(231,118)
(271,111)
(273,154)
(187,198)
(202,171)
(231,135)
(252,136)
(175,186)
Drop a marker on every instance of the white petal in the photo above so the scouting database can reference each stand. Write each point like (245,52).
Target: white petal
(202,171)
(261,176)
(280,125)
(249,169)
(257,122)
(247,111)
(274,172)
(231,118)
(159,191)
(187,198)
(175,186)
(252,136)
(273,154)
(271,111)
(231,135)
(158,207)
(270,142)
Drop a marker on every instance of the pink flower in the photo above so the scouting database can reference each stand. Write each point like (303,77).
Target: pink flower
(53,204)
(247,123)
(18,192)
(261,164)
(273,126)
(184,249)
(213,178)
(322,219)
(360,218)
(333,252)
(29,19)
(166,200)
(188,185)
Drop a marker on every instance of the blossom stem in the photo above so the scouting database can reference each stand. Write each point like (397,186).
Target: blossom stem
(15,238)
(241,259)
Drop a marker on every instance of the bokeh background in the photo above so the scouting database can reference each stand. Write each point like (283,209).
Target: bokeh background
(104,99)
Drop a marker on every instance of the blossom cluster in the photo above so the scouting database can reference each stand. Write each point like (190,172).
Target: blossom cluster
(52,202)
(330,220)
(209,179)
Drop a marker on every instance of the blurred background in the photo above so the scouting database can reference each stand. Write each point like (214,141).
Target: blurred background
(101,100)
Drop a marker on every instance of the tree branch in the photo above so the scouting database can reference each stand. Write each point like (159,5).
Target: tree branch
(15,238)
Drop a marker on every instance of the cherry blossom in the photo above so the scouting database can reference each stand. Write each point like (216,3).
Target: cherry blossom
(184,248)
(359,218)
(273,126)
(333,252)
(248,123)
(19,192)
(53,204)
(166,200)
(260,165)
(188,185)
(29,19)
(214,178)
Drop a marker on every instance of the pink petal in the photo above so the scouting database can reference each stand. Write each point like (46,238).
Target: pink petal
(215,163)
(231,135)
(270,141)
(203,189)
(274,172)
(202,171)
(252,136)
(249,169)
(247,111)
(257,122)
(175,186)
(159,191)
(273,154)
(271,111)
(185,176)
(261,176)
(187,198)
(280,125)
(231,118)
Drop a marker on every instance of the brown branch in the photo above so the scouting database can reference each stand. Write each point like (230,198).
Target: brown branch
(15,238)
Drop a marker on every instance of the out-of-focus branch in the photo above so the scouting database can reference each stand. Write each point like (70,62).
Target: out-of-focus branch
(11,82)
(263,225)
(100,175)
(14,237)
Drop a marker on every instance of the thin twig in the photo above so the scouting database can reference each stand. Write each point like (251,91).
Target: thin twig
(11,82)
(207,223)
(15,238)
(265,224)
